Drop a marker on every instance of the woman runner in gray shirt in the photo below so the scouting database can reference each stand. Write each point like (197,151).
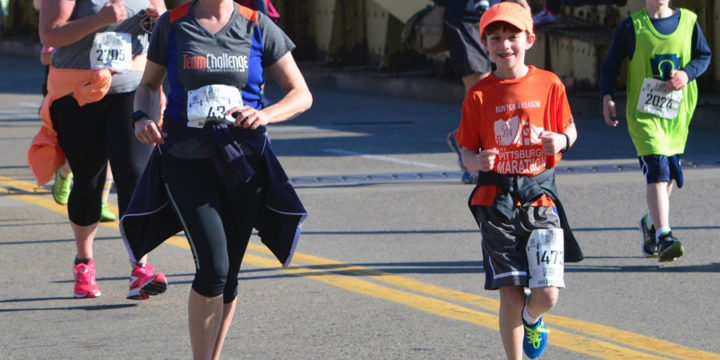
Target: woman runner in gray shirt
(215,161)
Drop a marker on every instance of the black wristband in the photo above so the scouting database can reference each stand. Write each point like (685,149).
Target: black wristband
(567,143)
(139,114)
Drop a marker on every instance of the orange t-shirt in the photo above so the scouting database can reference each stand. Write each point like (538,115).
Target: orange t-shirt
(510,115)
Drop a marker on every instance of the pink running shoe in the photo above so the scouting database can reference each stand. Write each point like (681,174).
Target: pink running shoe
(85,285)
(144,283)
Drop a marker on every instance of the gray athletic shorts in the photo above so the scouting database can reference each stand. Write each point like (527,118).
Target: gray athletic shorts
(467,54)
(503,242)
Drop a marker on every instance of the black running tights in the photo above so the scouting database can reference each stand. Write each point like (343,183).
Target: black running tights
(218,221)
(90,135)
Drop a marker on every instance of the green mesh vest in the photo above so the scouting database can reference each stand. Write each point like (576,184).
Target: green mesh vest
(654,57)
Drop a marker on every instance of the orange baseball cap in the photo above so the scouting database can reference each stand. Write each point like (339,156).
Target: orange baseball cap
(508,12)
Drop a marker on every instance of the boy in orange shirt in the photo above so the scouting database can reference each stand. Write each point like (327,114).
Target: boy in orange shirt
(515,125)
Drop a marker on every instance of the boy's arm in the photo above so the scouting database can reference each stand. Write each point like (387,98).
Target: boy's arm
(621,47)
(571,132)
(554,143)
(478,160)
(701,55)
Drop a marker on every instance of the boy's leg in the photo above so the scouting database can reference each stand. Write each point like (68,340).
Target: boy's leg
(540,301)
(512,299)
(658,203)
(506,268)
(660,171)
(505,265)
(535,334)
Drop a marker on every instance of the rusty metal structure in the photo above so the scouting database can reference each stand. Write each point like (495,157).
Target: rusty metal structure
(366,34)
(349,33)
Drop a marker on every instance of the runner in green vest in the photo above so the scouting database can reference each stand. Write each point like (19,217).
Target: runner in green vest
(666,52)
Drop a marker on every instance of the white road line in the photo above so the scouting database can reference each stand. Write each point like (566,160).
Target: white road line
(384,158)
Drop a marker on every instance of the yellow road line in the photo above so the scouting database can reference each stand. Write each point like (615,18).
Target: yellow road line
(563,339)
(614,334)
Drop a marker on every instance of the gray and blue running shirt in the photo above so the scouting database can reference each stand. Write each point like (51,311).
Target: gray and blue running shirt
(236,55)
(77,55)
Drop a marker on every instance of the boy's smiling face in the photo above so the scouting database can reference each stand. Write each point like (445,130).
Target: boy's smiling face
(507,46)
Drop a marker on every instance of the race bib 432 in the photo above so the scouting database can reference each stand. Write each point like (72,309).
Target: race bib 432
(210,103)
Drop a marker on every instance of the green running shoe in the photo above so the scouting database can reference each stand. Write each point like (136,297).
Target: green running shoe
(669,248)
(61,188)
(106,215)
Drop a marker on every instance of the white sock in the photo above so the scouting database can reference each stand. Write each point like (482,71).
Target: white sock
(529,319)
(661,231)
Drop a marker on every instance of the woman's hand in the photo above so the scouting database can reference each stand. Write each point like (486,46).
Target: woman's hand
(148,133)
(153,13)
(113,12)
(248,118)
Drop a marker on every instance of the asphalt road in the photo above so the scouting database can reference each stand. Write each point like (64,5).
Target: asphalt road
(389,265)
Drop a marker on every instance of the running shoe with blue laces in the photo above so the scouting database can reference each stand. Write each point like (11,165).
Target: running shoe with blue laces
(535,339)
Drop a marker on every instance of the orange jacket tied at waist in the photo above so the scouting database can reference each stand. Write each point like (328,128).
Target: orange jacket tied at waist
(87,86)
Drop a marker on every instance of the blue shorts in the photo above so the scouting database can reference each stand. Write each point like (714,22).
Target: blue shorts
(661,168)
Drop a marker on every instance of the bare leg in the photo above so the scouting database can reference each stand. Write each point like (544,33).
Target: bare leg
(658,202)
(512,299)
(205,315)
(84,236)
(228,312)
(542,300)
